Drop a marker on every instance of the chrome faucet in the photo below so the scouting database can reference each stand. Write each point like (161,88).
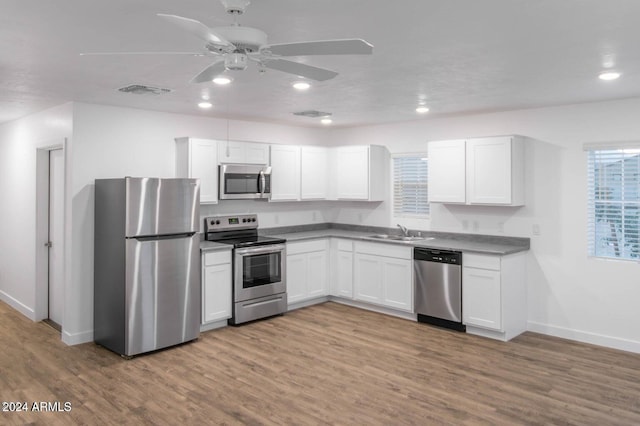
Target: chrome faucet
(404,230)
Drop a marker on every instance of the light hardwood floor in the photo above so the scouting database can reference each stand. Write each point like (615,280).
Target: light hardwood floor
(326,364)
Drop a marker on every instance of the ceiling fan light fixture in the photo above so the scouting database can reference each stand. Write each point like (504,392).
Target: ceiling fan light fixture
(205,105)
(301,85)
(222,80)
(326,121)
(235,61)
(609,75)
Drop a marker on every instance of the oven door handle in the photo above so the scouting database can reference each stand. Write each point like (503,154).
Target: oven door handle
(272,248)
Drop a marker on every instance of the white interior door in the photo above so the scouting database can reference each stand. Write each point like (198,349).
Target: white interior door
(56,232)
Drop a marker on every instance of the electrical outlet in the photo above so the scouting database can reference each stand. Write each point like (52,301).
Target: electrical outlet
(276,219)
(476,226)
(535,229)
(359,217)
(501,227)
(465,225)
(313,216)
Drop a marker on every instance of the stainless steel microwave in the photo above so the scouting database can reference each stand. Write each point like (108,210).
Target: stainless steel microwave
(244,181)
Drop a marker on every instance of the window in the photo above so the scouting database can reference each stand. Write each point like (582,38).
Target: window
(410,187)
(614,203)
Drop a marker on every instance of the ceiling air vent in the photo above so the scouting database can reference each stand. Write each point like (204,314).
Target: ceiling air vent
(140,89)
(313,114)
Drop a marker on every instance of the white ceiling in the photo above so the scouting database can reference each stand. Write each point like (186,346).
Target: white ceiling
(459,56)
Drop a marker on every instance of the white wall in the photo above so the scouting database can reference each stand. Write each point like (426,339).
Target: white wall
(570,295)
(19,143)
(115,142)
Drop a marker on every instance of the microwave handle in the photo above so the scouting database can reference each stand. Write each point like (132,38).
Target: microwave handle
(262,183)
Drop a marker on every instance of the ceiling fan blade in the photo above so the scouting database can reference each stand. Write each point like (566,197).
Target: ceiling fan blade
(141,53)
(354,46)
(199,29)
(209,72)
(302,70)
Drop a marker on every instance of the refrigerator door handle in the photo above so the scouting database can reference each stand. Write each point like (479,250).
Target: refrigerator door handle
(165,237)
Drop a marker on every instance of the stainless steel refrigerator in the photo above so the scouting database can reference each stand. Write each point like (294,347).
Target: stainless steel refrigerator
(146,263)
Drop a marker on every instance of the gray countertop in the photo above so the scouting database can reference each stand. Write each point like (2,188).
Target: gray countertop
(213,246)
(464,242)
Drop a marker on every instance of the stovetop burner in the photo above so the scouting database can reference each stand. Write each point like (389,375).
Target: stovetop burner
(238,230)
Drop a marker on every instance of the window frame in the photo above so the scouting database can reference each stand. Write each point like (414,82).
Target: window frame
(625,228)
(410,216)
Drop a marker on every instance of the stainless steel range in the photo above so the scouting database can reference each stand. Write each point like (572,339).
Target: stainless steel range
(259,272)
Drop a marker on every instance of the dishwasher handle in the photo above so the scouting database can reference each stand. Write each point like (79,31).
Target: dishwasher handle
(439,256)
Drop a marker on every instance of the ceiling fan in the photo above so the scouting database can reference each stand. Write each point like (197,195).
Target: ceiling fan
(235,46)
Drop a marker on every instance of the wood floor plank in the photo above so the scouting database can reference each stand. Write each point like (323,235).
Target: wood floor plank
(325,364)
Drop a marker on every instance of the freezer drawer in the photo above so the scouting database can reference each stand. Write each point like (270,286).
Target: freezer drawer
(162,296)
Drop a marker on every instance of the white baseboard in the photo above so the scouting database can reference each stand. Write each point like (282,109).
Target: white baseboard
(374,308)
(213,325)
(77,338)
(305,303)
(585,337)
(18,306)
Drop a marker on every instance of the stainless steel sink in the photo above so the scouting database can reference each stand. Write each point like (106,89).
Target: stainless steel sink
(398,238)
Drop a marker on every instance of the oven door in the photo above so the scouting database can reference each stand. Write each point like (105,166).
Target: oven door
(239,182)
(259,271)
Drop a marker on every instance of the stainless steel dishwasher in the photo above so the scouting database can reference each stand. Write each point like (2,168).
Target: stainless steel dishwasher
(438,287)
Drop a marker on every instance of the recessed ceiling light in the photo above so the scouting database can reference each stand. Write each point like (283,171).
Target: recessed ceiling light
(301,85)
(222,80)
(422,109)
(326,121)
(609,75)
(205,105)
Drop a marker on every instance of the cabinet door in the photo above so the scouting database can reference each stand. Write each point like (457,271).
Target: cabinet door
(296,277)
(481,298)
(317,274)
(285,173)
(489,170)
(231,152)
(256,153)
(204,166)
(216,298)
(368,278)
(398,284)
(313,173)
(446,173)
(344,274)
(353,173)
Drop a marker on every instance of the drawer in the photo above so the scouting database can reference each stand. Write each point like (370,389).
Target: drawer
(481,261)
(344,245)
(384,249)
(217,257)
(306,246)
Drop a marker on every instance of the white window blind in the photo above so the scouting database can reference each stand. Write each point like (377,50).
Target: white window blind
(410,187)
(614,203)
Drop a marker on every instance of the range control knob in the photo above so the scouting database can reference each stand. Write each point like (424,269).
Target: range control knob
(253,220)
(217,222)
(244,220)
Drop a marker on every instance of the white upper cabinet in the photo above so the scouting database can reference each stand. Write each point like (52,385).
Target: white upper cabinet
(482,171)
(314,176)
(198,158)
(238,152)
(446,171)
(285,173)
(362,173)
(495,171)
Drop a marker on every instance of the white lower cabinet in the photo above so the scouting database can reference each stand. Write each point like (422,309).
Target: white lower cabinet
(494,297)
(307,270)
(342,268)
(383,275)
(216,286)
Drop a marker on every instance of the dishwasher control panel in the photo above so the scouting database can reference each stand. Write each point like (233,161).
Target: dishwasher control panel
(441,256)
